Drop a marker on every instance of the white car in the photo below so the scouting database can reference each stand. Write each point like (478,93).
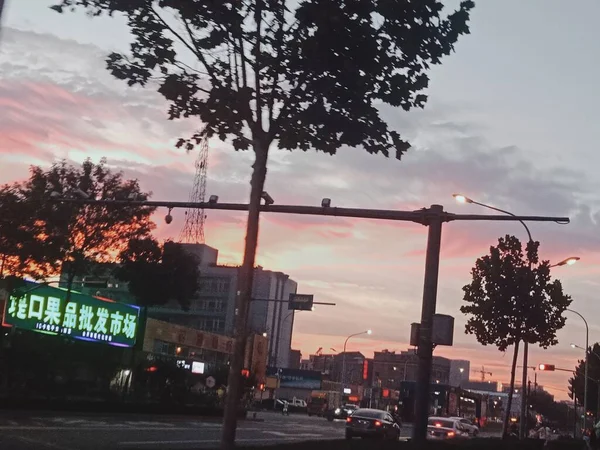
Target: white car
(469,425)
(442,428)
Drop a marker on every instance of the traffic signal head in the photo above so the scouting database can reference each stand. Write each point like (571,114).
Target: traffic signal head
(547,367)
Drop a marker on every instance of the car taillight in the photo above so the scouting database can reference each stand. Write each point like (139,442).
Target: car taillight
(377,423)
(439,425)
(349,419)
(451,433)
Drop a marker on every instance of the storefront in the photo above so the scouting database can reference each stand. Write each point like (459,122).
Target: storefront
(186,346)
(54,348)
(444,401)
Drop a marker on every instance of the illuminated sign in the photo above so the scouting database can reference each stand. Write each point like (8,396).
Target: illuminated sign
(183,364)
(197,367)
(85,317)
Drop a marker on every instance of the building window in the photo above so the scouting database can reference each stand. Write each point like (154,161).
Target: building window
(215,285)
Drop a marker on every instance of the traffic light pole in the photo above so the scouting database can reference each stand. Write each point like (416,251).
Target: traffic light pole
(432,217)
(425,348)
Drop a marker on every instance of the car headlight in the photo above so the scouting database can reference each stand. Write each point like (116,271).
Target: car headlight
(338,410)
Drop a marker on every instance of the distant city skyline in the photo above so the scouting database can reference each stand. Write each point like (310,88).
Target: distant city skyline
(508,122)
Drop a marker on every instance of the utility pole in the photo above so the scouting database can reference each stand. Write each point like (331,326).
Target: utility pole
(432,217)
(425,349)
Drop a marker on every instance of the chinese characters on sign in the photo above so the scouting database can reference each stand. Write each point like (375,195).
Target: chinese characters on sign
(84,317)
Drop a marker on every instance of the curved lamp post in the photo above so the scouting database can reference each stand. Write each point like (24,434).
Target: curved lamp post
(344,356)
(568,261)
(587,353)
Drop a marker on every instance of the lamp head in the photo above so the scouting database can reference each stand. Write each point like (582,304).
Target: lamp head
(462,198)
(369,332)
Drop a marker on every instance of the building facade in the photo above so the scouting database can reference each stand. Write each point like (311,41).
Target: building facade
(295,359)
(212,309)
(177,342)
(459,372)
(391,368)
(323,363)
(348,368)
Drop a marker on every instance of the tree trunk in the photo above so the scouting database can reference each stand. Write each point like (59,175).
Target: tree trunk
(513,371)
(244,295)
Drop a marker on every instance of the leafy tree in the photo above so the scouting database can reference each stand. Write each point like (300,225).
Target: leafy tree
(512,299)
(577,385)
(21,250)
(158,274)
(80,235)
(295,74)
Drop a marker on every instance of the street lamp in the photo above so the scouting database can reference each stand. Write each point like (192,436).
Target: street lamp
(567,262)
(460,198)
(587,352)
(344,357)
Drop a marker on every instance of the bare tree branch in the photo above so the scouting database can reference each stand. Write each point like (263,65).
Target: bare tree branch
(193,49)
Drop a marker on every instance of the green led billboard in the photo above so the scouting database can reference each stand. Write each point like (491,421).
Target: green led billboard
(42,308)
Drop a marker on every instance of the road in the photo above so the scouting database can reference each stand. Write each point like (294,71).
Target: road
(72,431)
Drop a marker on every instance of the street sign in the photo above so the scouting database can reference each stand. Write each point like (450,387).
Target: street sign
(301,302)
(210,382)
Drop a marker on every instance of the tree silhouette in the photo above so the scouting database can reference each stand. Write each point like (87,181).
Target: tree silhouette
(576,382)
(295,74)
(76,235)
(512,299)
(157,274)
(18,243)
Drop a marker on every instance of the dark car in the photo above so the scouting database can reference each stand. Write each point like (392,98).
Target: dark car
(375,423)
(343,412)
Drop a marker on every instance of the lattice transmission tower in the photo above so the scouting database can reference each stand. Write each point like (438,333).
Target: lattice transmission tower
(193,229)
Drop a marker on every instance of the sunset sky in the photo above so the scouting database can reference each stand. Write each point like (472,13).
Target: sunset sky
(512,121)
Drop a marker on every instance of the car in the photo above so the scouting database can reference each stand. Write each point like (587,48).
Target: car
(442,428)
(365,423)
(471,427)
(343,412)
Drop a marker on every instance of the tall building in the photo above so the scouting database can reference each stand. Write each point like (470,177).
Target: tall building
(212,309)
(459,372)
(273,317)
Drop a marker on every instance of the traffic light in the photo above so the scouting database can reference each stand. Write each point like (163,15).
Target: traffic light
(547,367)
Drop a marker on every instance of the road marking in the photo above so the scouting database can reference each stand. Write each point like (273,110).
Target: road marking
(119,427)
(204,441)
(90,428)
(150,424)
(42,443)
(282,434)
